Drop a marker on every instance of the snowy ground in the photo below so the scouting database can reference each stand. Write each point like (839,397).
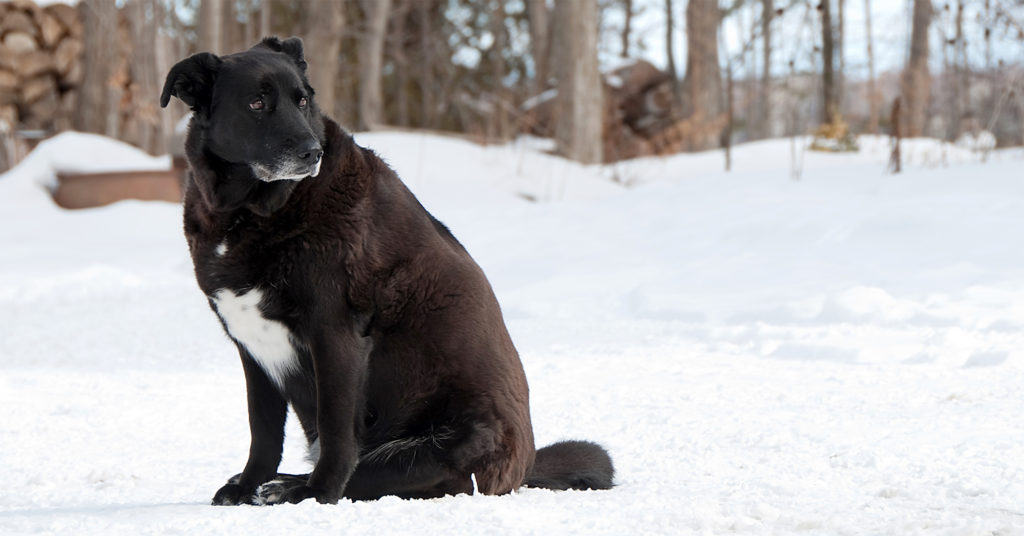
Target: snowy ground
(839,354)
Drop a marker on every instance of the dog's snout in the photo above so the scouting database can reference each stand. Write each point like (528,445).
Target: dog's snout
(311,151)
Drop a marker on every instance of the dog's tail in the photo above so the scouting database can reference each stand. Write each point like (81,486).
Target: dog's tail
(572,465)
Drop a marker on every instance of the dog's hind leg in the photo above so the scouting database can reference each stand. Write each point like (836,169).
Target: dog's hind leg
(415,474)
(410,467)
(440,462)
(437,463)
(407,468)
(422,479)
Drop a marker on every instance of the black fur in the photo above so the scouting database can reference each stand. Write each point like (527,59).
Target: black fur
(571,465)
(404,375)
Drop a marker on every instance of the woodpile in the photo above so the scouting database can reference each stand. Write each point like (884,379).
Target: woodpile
(40,65)
(95,67)
(641,117)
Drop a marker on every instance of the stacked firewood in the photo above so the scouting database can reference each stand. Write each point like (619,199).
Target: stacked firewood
(40,65)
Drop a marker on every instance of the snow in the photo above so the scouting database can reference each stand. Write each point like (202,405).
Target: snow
(838,354)
(76,152)
(983,142)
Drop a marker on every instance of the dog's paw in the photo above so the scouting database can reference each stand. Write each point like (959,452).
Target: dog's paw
(232,494)
(281,491)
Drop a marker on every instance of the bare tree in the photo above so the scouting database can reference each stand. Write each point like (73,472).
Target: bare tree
(872,85)
(670,32)
(371,61)
(396,51)
(961,104)
(830,102)
(145,126)
(840,36)
(537,14)
(748,59)
(579,125)
(425,74)
(232,33)
(322,32)
(97,106)
(729,105)
(251,26)
(265,11)
(896,134)
(627,7)
(498,120)
(211,26)
(988,36)
(915,83)
(764,96)
(703,82)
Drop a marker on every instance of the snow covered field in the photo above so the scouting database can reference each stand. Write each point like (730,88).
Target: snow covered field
(839,354)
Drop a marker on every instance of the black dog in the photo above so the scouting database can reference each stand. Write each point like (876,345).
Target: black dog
(350,302)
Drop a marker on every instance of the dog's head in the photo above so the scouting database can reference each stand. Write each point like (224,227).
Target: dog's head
(256,108)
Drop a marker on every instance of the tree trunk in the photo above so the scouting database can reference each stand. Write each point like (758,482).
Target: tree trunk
(830,100)
(764,97)
(988,37)
(232,35)
(167,55)
(401,61)
(677,93)
(872,86)
(498,127)
(266,7)
(322,43)
(727,131)
(627,6)
(147,132)
(578,128)
(895,159)
(840,36)
(962,104)
(371,114)
(97,102)
(703,83)
(537,11)
(251,26)
(914,104)
(211,26)
(425,72)
(748,59)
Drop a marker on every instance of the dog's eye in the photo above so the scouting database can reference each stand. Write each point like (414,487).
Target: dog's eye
(303,102)
(256,105)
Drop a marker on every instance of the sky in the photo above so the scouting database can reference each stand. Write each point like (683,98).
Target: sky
(793,39)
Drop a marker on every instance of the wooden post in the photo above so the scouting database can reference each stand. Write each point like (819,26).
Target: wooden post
(895,135)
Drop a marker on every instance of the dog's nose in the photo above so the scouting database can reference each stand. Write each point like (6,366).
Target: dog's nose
(311,151)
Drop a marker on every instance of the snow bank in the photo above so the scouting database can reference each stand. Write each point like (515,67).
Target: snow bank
(78,152)
(839,354)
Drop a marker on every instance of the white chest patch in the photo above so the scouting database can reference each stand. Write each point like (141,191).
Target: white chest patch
(268,341)
(221,249)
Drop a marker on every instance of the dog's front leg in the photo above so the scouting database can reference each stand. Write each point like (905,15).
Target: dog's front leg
(340,362)
(268,410)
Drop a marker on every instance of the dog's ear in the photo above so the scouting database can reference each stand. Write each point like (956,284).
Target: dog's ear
(191,80)
(291,46)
